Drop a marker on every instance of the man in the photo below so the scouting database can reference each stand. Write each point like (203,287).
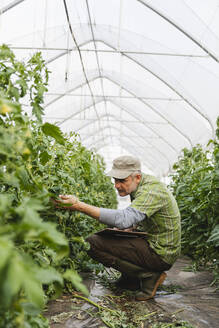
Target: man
(142,260)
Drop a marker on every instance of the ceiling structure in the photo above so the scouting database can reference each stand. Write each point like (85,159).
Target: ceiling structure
(137,77)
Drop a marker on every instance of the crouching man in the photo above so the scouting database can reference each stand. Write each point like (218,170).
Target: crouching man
(142,260)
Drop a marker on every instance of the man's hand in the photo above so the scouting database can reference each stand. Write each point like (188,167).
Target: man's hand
(127,229)
(66,202)
(72,203)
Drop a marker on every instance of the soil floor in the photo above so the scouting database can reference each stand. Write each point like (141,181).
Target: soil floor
(184,296)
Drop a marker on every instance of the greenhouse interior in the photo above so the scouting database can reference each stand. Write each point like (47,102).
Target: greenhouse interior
(109,128)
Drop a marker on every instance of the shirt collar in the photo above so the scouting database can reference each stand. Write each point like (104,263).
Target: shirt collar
(133,193)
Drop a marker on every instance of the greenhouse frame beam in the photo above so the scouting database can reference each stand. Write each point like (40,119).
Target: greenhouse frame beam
(95,120)
(120,121)
(111,51)
(116,136)
(110,96)
(115,120)
(89,145)
(114,116)
(135,96)
(147,126)
(177,92)
(159,114)
(130,113)
(154,74)
(126,110)
(137,135)
(88,135)
(134,132)
(131,149)
(178,27)
(10,6)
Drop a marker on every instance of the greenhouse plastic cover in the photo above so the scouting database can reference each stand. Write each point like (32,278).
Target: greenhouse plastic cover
(131,77)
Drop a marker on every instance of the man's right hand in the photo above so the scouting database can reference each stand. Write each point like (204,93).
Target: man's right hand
(66,202)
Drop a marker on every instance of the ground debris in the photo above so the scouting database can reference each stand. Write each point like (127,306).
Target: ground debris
(178,304)
(61,317)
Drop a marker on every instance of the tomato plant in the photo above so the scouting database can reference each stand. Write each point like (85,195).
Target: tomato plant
(42,248)
(195,183)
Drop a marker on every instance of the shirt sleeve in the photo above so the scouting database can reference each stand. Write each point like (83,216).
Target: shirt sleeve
(121,219)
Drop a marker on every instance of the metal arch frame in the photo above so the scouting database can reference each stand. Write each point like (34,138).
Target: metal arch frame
(147,126)
(152,8)
(109,136)
(126,110)
(10,6)
(158,12)
(144,3)
(132,93)
(112,127)
(178,27)
(158,150)
(134,153)
(159,172)
(111,96)
(112,51)
(173,89)
(157,112)
(119,136)
(129,56)
(110,121)
(136,117)
(109,115)
(125,146)
(99,101)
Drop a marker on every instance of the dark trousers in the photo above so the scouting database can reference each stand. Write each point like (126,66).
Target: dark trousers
(109,250)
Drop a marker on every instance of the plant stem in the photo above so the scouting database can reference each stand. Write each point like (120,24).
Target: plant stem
(180,310)
(149,314)
(94,304)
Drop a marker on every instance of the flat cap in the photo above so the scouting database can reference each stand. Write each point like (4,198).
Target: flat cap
(124,166)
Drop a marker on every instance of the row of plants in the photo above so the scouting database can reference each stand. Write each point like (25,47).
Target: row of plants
(42,248)
(195,184)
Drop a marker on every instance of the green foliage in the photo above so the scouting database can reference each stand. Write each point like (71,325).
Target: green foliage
(215,236)
(53,131)
(41,247)
(19,79)
(195,184)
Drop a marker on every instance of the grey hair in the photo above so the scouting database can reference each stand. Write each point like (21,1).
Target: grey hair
(135,173)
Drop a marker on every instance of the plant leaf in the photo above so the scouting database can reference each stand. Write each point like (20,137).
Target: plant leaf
(54,132)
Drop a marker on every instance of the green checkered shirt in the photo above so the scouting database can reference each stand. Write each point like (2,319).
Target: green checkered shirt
(162,221)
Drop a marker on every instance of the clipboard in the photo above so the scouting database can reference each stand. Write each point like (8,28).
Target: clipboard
(121,233)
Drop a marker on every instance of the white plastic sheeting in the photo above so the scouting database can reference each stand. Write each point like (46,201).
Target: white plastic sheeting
(131,76)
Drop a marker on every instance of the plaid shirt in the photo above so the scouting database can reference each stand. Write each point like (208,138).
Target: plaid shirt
(162,221)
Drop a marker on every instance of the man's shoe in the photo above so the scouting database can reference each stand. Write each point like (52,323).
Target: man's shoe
(149,285)
(128,282)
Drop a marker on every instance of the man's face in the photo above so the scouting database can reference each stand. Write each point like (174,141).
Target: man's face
(127,185)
